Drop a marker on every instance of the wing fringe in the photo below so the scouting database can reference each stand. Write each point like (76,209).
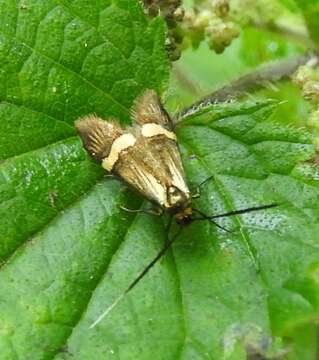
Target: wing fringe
(98,135)
(147,108)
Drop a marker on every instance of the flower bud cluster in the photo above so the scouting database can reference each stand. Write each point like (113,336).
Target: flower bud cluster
(209,20)
(307,78)
(173,13)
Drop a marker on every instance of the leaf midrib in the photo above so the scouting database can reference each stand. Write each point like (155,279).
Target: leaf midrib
(99,281)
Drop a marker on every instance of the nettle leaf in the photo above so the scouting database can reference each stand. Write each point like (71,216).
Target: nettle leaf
(61,60)
(68,250)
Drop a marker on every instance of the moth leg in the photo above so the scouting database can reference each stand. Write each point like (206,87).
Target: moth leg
(197,192)
(111,176)
(155,211)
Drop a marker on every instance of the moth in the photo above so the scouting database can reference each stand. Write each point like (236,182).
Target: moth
(145,156)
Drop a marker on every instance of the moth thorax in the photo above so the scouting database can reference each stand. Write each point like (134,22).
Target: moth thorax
(176,199)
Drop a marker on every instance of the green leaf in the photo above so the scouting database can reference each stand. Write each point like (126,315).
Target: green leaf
(61,60)
(68,250)
(310,10)
(206,112)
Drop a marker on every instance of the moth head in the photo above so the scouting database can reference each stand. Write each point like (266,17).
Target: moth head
(179,205)
(184,217)
(98,135)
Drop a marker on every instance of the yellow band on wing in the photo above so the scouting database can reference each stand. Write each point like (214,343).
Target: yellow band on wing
(121,143)
(152,129)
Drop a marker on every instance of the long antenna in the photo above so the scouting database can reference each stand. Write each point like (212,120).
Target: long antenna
(209,218)
(167,245)
(161,253)
(230,213)
(244,211)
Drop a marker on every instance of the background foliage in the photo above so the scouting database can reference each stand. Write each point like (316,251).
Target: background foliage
(67,250)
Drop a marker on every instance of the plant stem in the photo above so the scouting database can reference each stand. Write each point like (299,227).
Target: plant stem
(299,35)
(255,80)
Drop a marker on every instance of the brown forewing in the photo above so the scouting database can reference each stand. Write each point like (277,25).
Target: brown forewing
(149,166)
(152,165)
